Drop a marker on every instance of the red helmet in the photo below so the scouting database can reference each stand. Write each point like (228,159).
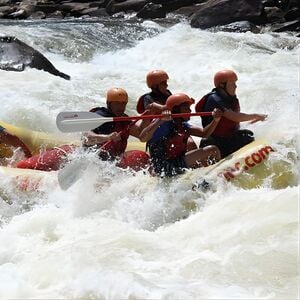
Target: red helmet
(178,99)
(223,76)
(156,77)
(116,95)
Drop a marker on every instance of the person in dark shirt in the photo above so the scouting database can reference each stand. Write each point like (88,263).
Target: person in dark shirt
(157,81)
(227,135)
(155,101)
(110,138)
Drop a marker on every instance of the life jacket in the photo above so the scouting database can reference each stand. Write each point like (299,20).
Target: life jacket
(154,96)
(172,146)
(225,127)
(140,107)
(111,149)
(176,145)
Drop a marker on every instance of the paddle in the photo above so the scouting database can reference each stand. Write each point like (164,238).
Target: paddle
(74,121)
(72,172)
(75,169)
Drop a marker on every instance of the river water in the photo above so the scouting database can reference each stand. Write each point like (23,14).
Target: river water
(138,237)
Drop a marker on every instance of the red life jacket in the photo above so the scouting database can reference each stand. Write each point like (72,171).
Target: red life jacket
(112,149)
(225,127)
(200,104)
(116,148)
(140,108)
(176,145)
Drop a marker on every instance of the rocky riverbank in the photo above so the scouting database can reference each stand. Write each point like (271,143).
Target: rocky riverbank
(229,15)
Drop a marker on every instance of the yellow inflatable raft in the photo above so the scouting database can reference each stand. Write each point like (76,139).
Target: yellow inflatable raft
(35,140)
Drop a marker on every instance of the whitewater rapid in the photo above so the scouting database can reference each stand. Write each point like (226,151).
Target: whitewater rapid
(117,236)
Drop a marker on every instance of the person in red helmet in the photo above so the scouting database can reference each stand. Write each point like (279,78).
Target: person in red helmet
(227,135)
(167,140)
(110,139)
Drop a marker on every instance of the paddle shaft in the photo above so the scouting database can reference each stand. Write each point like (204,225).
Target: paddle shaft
(84,121)
(183,115)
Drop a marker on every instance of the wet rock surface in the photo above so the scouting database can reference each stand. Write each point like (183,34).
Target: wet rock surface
(227,15)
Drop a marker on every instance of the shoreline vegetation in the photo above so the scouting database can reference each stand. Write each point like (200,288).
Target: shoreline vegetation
(222,15)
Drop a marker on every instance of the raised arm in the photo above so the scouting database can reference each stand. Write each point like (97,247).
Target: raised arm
(242,117)
(149,130)
(209,129)
(90,138)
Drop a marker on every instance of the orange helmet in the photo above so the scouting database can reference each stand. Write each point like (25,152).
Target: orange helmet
(178,99)
(116,95)
(156,77)
(224,76)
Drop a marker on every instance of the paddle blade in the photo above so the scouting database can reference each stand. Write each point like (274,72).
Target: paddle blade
(71,173)
(74,121)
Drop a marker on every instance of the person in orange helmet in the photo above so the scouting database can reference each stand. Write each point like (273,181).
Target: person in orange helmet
(110,139)
(167,140)
(155,101)
(157,81)
(12,140)
(227,135)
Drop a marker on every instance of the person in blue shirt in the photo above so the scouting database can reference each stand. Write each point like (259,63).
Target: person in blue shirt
(167,139)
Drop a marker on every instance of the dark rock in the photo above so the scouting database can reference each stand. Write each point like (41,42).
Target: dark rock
(95,12)
(274,14)
(73,6)
(287,26)
(129,5)
(4,2)
(15,55)
(19,14)
(99,4)
(187,11)
(152,11)
(6,10)
(222,12)
(176,4)
(292,14)
(270,3)
(46,8)
(100,12)
(271,14)
(294,3)
(37,15)
(56,15)
(242,26)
